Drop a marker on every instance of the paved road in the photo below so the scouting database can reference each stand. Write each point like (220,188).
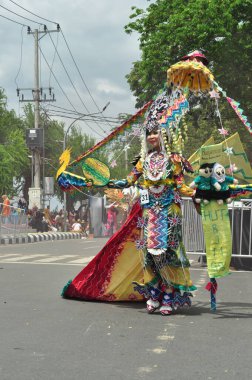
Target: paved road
(45,337)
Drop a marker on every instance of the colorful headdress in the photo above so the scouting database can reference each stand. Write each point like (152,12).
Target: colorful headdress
(197,55)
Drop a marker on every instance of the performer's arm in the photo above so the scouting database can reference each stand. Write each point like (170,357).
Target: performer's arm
(133,176)
(179,180)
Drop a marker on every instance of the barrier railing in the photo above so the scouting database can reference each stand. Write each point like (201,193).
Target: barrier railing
(13,220)
(240,214)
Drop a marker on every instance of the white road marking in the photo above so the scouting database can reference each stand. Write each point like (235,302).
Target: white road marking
(44,259)
(165,337)
(83,260)
(157,350)
(95,246)
(54,258)
(22,257)
(144,370)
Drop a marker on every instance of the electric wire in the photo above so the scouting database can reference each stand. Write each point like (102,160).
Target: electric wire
(16,22)
(56,79)
(64,91)
(21,56)
(73,118)
(75,89)
(34,14)
(59,58)
(36,22)
(74,115)
(79,113)
(54,56)
(83,81)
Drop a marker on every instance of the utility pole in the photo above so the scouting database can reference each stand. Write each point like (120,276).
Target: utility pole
(35,138)
(36,95)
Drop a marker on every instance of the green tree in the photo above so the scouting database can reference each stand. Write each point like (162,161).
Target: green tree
(13,151)
(168,30)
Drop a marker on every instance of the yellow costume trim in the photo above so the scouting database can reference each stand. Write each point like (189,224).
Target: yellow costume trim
(147,183)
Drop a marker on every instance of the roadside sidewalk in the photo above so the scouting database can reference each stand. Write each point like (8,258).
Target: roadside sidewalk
(33,237)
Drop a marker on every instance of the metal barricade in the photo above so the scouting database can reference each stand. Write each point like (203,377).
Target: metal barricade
(240,213)
(13,222)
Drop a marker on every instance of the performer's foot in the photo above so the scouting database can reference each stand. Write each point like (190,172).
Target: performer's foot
(165,310)
(167,302)
(187,300)
(182,300)
(152,305)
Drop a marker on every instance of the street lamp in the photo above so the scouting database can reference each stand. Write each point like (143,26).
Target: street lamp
(64,148)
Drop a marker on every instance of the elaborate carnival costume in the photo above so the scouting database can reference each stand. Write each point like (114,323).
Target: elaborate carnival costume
(146,257)
(166,266)
(162,274)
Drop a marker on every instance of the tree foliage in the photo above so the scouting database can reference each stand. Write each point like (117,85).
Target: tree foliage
(168,30)
(13,151)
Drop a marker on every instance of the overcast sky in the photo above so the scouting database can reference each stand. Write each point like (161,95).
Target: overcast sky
(94,31)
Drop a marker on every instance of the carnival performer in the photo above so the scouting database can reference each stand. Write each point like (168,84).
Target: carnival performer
(166,266)
(166,282)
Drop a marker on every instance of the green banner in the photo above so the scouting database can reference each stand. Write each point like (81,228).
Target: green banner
(218,239)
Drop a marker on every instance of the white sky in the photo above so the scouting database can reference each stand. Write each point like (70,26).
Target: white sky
(102,50)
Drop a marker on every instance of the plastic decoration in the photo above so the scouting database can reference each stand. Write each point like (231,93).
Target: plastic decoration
(239,112)
(126,125)
(174,113)
(96,171)
(190,74)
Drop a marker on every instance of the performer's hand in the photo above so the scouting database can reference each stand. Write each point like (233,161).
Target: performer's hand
(111,184)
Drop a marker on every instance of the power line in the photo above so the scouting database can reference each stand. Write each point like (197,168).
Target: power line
(34,14)
(69,52)
(16,22)
(79,113)
(63,90)
(56,79)
(54,56)
(21,57)
(72,81)
(74,118)
(36,22)
(80,72)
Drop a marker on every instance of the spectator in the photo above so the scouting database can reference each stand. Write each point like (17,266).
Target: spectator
(38,221)
(59,221)
(47,214)
(22,204)
(45,224)
(76,227)
(6,209)
(84,229)
(67,225)
(71,217)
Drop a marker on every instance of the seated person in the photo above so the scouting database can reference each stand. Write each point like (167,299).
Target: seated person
(76,227)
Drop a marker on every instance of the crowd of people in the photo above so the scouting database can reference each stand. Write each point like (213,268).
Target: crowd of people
(46,220)
(42,220)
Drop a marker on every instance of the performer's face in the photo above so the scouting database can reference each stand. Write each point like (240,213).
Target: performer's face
(153,138)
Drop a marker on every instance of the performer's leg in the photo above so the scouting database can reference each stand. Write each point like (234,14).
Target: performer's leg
(181,300)
(153,303)
(167,302)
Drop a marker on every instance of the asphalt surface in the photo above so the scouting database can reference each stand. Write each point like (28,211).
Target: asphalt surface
(45,337)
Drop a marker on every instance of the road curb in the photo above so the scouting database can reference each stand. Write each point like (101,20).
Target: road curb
(37,237)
